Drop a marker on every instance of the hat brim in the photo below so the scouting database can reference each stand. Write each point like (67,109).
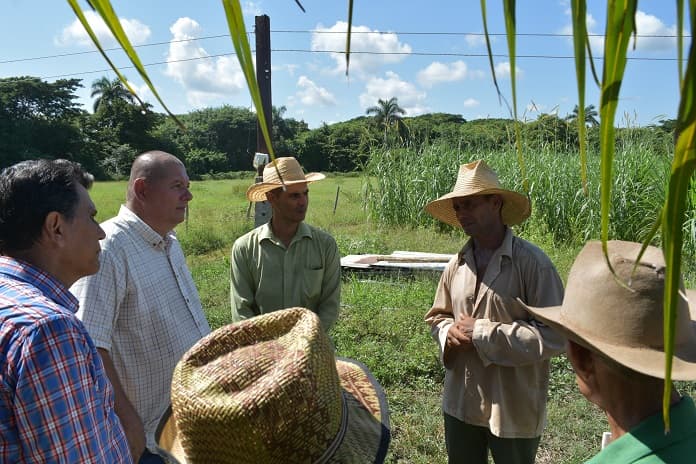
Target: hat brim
(366,435)
(257,192)
(516,207)
(646,360)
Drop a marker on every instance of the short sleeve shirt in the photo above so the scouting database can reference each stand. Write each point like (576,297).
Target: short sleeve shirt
(142,306)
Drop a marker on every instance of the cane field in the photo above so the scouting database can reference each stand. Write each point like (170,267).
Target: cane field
(381,322)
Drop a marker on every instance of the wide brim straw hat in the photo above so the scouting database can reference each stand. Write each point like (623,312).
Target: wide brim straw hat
(270,390)
(290,173)
(477,178)
(623,321)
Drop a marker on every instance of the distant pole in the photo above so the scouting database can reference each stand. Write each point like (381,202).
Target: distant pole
(338,188)
(262,210)
(263,75)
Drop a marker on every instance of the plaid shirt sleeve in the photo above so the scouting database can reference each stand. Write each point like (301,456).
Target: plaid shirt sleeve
(61,397)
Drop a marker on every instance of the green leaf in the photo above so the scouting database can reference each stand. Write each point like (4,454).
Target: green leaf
(511,31)
(579,15)
(488,48)
(235,22)
(683,167)
(620,25)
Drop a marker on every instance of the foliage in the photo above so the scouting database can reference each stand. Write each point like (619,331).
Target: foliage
(389,115)
(590,116)
(108,91)
(402,181)
(39,119)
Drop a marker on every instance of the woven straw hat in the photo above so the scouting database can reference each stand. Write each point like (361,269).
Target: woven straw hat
(624,324)
(291,173)
(477,178)
(269,390)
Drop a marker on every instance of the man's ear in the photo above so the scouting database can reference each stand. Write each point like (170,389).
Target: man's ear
(582,360)
(140,188)
(54,228)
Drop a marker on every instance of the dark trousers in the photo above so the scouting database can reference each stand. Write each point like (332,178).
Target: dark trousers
(150,458)
(469,444)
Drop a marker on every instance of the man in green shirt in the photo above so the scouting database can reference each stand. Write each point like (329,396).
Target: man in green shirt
(615,344)
(285,262)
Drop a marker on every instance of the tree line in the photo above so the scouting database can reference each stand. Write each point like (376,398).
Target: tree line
(40,119)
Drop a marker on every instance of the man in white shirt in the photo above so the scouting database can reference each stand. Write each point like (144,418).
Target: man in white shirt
(142,308)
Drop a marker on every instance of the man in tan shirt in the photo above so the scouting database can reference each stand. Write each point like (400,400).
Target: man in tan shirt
(496,356)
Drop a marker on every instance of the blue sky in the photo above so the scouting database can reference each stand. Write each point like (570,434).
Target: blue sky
(432,56)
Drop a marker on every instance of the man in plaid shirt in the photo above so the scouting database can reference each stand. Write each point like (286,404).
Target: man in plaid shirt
(56,403)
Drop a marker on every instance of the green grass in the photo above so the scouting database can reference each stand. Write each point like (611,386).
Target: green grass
(381,320)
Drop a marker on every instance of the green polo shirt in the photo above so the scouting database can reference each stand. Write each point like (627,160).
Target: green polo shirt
(647,443)
(266,276)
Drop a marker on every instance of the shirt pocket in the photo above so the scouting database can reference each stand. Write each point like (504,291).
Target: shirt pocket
(311,286)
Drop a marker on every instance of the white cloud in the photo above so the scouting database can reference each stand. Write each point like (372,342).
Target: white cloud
(363,39)
(310,94)
(289,68)
(250,8)
(410,98)
(471,103)
(142,90)
(596,41)
(75,34)
(502,70)
(651,25)
(646,24)
(205,79)
(437,72)
(477,40)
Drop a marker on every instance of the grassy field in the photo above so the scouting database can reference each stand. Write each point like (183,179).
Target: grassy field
(381,320)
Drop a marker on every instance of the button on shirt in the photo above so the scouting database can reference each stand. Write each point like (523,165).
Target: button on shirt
(56,403)
(142,306)
(502,383)
(267,276)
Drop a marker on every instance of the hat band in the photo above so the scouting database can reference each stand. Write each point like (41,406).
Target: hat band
(338,439)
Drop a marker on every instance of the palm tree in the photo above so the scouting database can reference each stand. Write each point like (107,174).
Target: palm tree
(107,92)
(590,115)
(387,112)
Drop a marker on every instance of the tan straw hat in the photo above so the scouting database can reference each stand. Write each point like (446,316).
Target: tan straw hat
(291,173)
(269,390)
(624,324)
(477,178)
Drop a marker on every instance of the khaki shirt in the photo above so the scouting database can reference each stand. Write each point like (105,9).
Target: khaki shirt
(502,384)
(266,276)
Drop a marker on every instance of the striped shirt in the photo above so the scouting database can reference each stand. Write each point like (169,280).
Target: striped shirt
(56,403)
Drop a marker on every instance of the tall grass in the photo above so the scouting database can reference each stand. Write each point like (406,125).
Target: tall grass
(402,181)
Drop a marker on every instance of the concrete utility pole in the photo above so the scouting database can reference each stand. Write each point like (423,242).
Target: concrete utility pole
(262,211)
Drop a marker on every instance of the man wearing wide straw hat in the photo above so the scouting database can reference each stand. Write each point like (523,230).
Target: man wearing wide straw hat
(269,390)
(614,328)
(496,356)
(285,262)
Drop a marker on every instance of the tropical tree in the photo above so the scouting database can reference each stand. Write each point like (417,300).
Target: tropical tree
(590,115)
(39,119)
(387,113)
(105,91)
